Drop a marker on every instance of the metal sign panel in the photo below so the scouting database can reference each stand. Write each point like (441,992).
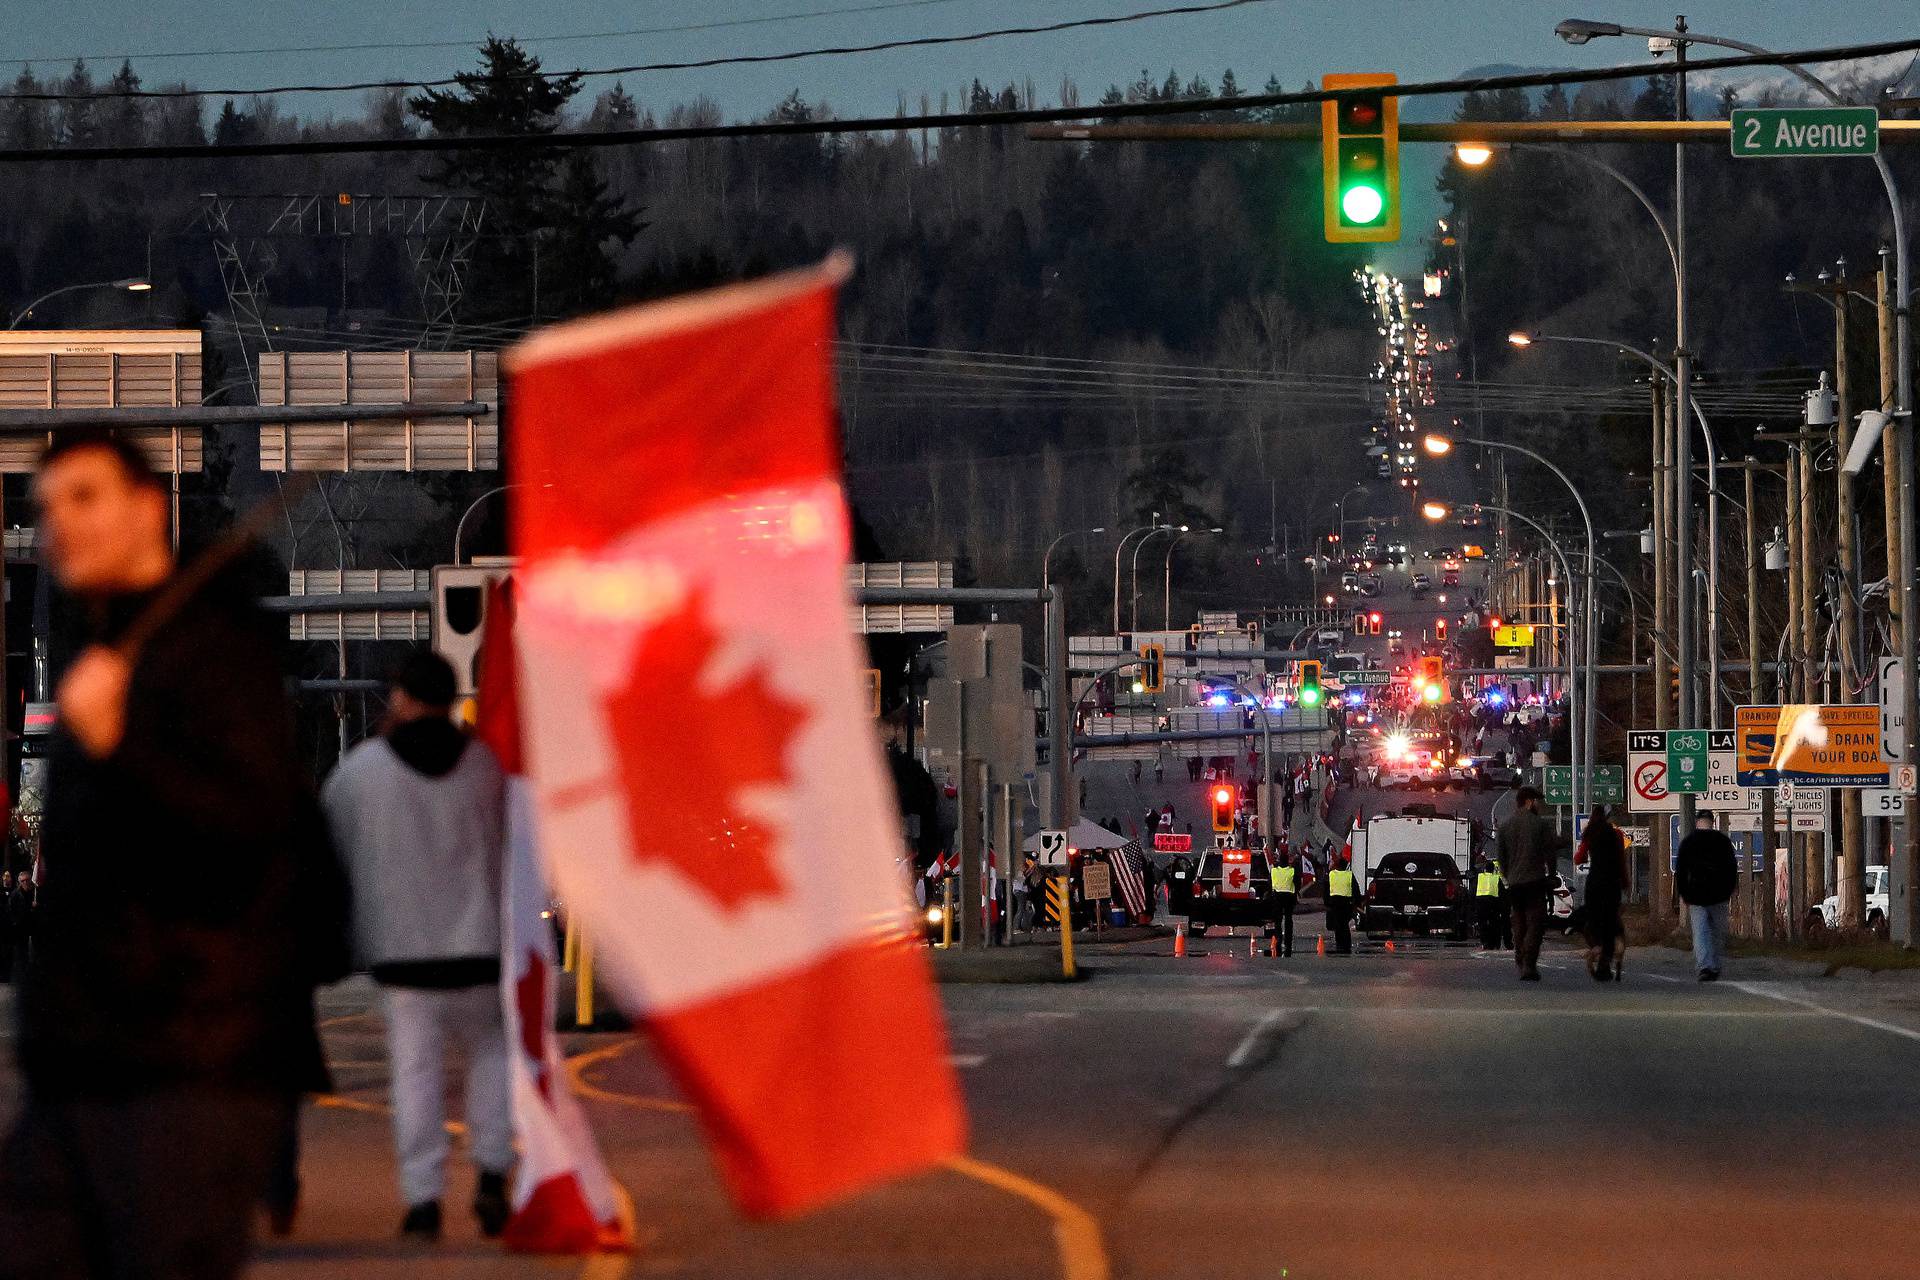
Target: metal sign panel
(1647,773)
(1804,131)
(1516,637)
(901,619)
(347,378)
(1821,746)
(1053,848)
(102,369)
(1723,793)
(460,616)
(404,624)
(1893,710)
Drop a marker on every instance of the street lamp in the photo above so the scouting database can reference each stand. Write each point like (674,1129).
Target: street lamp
(132,284)
(1438,445)
(1046,561)
(1683,614)
(1117,548)
(1133,601)
(1341,506)
(1166,576)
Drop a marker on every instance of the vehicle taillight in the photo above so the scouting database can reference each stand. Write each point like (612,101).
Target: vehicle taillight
(1450,889)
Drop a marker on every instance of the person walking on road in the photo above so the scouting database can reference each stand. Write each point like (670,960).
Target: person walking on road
(1286,893)
(165,1021)
(1340,901)
(1527,849)
(1606,887)
(420,817)
(1486,897)
(1705,873)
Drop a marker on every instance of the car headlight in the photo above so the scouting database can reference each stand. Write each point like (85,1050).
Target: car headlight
(935,915)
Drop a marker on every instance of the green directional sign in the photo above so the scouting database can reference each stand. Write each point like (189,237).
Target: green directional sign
(1804,131)
(1687,761)
(1606,783)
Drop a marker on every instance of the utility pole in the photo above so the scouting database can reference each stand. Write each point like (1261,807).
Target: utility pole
(1791,687)
(1683,401)
(1890,455)
(1660,858)
(1850,872)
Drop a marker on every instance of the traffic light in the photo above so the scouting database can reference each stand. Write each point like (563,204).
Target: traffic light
(1359,624)
(1360,161)
(1153,668)
(1431,679)
(1309,681)
(1440,629)
(1221,798)
(1373,623)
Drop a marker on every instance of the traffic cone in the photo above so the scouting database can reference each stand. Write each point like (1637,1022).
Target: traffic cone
(1273,945)
(1179,941)
(1251,952)
(1320,945)
(1389,944)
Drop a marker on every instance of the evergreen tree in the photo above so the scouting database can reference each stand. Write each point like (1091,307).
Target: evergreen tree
(126,122)
(589,228)
(78,121)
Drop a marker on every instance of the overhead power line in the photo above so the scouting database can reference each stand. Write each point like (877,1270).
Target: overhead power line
(734,60)
(899,123)
(380,46)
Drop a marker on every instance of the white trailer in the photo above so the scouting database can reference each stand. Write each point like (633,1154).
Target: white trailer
(1385,835)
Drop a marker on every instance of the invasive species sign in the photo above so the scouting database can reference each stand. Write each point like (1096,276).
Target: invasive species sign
(1810,744)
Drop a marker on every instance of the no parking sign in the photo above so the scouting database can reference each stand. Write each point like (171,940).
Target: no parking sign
(1647,789)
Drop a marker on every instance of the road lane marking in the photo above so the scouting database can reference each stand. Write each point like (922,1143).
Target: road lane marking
(1763,989)
(578,1065)
(967,1061)
(1243,1052)
(1083,1251)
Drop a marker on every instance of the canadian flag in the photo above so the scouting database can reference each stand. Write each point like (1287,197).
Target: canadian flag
(564,1201)
(708,787)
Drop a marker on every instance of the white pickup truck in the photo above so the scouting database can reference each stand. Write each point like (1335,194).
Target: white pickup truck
(1876,902)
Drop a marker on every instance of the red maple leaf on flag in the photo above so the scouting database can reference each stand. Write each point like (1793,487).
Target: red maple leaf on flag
(686,753)
(530,1000)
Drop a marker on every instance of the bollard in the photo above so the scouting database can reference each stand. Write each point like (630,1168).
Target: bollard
(1065,900)
(946,913)
(582,985)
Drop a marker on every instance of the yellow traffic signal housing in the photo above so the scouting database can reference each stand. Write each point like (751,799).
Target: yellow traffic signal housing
(1360,161)
(1221,798)
(1153,667)
(1309,682)
(1433,680)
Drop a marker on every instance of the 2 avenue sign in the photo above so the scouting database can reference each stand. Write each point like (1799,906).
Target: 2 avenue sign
(1805,131)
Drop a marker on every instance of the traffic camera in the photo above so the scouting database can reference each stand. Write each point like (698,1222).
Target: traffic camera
(1360,161)
(1221,799)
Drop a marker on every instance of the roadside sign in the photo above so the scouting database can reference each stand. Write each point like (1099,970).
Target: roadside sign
(1687,761)
(1053,849)
(1236,873)
(1516,637)
(1807,807)
(1893,710)
(1724,794)
(1606,783)
(1647,773)
(1758,132)
(1558,784)
(1172,842)
(1903,779)
(1883,802)
(1822,746)
(1096,880)
(1366,677)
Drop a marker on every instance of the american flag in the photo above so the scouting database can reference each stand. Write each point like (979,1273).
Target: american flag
(1126,862)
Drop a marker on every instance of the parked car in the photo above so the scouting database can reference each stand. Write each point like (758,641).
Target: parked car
(1217,903)
(1877,883)
(1417,892)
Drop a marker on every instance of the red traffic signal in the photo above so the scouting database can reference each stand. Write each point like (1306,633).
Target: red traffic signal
(1439,628)
(1373,623)
(1222,799)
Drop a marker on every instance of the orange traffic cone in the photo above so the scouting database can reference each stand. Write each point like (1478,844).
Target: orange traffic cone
(1273,945)
(1251,952)
(1180,941)
(1389,944)
(1320,945)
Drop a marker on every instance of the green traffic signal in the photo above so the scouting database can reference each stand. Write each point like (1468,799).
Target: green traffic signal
(1362,205)
(1310,696)
(1360,160)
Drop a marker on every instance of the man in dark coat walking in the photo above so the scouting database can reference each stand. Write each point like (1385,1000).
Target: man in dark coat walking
(166,1022)
(1705,874)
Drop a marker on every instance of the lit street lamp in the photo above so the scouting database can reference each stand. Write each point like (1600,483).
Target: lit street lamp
(132,284)
(1166,575)
(1133,601)
(1438,445)
(1119,546)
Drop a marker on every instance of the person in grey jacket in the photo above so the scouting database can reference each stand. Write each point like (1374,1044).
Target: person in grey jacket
(1528,849)
(419,817)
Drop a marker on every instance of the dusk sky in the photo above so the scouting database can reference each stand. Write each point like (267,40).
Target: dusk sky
(1298,39)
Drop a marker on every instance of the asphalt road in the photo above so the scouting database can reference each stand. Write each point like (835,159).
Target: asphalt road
(1418,1113)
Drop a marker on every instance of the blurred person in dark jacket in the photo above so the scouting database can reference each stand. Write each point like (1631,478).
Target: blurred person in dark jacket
(166,1020)
(1705,873)
(1606,888)
(1527,850)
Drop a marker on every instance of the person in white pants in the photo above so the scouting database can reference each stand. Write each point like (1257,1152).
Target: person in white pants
(418,815)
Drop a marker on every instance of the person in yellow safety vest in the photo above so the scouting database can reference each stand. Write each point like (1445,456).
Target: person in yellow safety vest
(1286,892)
(1340,904)
(1487,899)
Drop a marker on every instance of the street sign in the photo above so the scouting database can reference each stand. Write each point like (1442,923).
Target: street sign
(1647,773)
(1822,746)
(1883,802)
(1366,677)
(1053,849)
(1893,710)
(1606,784)
(1804,131)
(1807,808)
(1513,637)
(1170,842)
(1904,778)
(1724,794)
(1558,784)
(1687,761)
(1096,880)
(1236,873)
